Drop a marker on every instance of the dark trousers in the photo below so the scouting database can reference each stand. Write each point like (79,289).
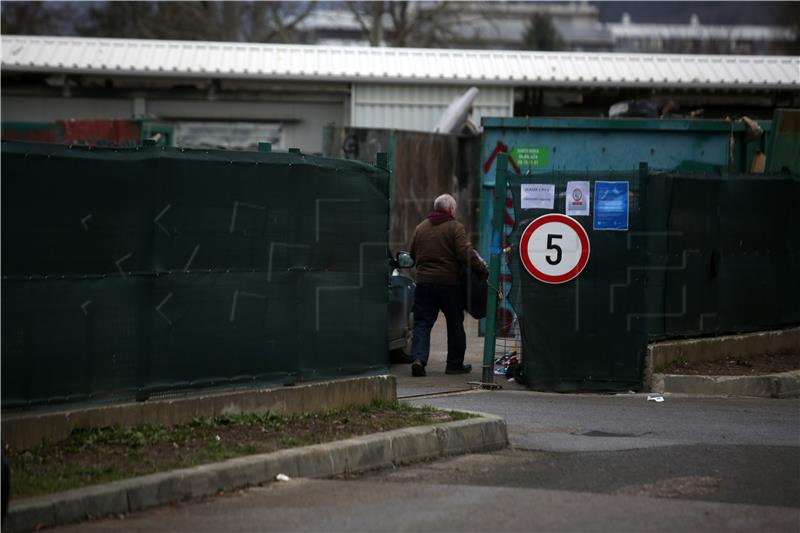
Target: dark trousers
(429,299)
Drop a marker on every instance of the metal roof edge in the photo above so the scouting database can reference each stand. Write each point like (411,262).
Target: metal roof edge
(649,84)
(580,123)
(386,49)
(159,58)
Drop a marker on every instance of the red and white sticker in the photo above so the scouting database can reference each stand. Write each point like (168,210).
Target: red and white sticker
(554,248)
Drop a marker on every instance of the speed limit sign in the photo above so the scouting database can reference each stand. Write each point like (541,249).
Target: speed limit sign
(554,248)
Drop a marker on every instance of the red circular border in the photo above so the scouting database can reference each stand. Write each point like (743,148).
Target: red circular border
(582,236)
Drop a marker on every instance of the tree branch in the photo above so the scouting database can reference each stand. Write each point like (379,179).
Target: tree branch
(299,18)
(353,6)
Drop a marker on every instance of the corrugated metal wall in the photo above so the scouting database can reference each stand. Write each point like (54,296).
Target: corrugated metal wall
(418,107)
(424,165)
(357,64)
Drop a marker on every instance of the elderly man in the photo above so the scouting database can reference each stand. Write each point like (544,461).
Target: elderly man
(442,251)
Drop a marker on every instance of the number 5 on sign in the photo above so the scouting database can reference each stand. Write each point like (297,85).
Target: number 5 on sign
(554,248)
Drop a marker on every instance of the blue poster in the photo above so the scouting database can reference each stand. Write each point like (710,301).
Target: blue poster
(611,205)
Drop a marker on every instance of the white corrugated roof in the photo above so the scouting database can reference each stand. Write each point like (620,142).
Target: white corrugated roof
(72,55)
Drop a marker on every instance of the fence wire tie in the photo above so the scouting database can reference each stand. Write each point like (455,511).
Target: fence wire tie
(500,295)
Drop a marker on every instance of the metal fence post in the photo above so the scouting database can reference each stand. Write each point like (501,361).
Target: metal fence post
(495,250)
(382,161)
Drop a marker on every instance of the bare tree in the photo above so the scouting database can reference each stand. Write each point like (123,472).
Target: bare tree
(791,16)
(542,35)
(370,17)
(284,20)
(213,21)
(120,19)
(407,23)
(35,18)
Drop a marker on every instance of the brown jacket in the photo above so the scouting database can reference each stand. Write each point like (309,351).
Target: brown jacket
(442,251)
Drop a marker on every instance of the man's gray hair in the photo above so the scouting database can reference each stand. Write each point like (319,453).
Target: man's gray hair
(444,202)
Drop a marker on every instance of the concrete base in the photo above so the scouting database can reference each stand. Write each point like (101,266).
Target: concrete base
(768,386)
(25,430)
(660,354)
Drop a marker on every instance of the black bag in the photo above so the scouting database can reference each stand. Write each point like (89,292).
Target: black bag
(475,289)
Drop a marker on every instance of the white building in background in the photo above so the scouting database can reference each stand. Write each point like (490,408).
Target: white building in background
(289,93)
(697,38)
(470,25)
(503,25)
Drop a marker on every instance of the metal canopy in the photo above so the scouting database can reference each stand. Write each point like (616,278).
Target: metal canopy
(196,59)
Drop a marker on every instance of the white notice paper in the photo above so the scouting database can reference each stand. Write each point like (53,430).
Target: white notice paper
(577,200)
(538,195)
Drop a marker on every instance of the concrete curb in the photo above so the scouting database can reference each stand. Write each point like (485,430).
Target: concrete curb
(379,450)
(660,354)
(28,429)
(765,386)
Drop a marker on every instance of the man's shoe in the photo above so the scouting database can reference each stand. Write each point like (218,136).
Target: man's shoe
(463,369)
(417,368)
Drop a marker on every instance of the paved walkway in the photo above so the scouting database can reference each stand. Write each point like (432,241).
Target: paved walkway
(436,381)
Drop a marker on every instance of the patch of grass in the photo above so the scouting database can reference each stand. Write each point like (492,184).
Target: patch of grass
(136,437)
(676,364)
(99,455)
(733,365)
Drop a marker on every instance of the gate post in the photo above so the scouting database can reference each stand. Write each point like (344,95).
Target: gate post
(495,249)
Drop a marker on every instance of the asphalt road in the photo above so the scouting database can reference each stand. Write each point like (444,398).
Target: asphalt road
(732,450)
(576,463)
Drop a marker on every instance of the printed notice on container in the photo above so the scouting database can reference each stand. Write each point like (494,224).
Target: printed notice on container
(611,205)
(577,200)
(538,195)
(530,156)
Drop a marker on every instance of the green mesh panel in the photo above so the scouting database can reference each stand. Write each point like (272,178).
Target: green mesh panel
(132,272)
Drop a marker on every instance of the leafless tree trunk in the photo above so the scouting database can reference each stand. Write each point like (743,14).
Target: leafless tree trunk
(216,21)
(369,16)
(31,18)
(408,23)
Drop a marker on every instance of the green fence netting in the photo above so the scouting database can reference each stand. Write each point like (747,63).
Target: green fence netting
(581,335)
(702,255)
(134,272)
(724,254)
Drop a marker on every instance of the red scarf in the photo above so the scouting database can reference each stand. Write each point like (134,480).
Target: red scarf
(438,217)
